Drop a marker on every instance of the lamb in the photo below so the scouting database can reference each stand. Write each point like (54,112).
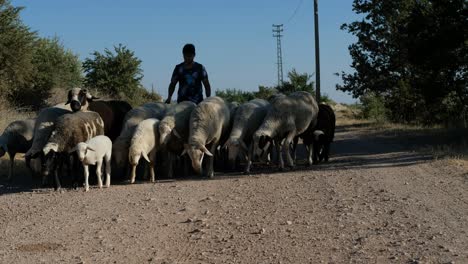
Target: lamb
(209,122)
(288,117)
(132,119)
(79,99)
(16,138)
(144,143)
(70,129)
(93,152)
(249,116)
(323,133)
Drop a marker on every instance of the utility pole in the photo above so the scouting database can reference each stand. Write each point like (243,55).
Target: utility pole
(277,29)
(317,53)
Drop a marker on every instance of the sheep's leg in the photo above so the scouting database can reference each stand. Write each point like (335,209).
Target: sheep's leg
(186,164)
(316,150)
(294,147)
(99,173)
(287,143)
(12,164)
(210,170)
(280,156)
(326,151)
(171,160)
(86,177)
(57,179)
(248,158)
(133,173)
(309,154)
(107,158)
(151,166)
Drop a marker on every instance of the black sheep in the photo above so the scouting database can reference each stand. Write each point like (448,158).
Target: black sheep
(112,113)
(324,132)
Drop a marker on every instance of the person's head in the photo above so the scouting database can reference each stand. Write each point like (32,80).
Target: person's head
(189,53)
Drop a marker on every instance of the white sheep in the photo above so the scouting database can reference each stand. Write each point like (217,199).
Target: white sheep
(131,120)
(288,117)
(248,117)
(144,143)
(209,123)
(94,152)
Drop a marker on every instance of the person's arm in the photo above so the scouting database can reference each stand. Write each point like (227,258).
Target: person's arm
(170,92)
(172,86)
(207,85)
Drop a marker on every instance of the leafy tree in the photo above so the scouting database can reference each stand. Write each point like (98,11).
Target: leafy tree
(16,42)
(115,73)
(297,82)
(53,67)
(235,95)
(412,53)
(265,92)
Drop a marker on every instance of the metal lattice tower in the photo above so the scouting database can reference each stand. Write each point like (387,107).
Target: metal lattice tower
(277,29)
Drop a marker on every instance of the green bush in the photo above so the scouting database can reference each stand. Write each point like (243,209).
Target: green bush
(373,107)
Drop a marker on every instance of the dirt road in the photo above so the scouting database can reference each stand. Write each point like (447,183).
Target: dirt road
(375,202)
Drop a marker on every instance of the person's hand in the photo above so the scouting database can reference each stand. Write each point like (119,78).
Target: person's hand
(168,101)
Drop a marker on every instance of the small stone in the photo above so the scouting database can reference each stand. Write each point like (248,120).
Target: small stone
(289,222)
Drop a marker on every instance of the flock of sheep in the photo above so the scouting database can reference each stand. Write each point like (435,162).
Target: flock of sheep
(112,134)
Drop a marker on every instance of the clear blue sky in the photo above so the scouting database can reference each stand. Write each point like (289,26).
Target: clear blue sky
(233,38)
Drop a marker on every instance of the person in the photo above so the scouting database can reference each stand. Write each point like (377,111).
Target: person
(190,75)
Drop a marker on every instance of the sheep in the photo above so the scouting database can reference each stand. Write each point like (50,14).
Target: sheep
(79,98)
(209,122)
(249,116)
(93,152)
(16,138)
(132,119)
(43,127)
(323,133)
(112,113)
(288,117)
(174,132)
(70,129)
(176,122)
(144,143)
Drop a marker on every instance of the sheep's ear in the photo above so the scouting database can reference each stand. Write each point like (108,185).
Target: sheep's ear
(176,133)
(206,151)
(145,156)
(186,147)
(90,148)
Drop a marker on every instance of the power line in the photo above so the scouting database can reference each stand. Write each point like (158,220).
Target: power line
(295,11)
(277,29)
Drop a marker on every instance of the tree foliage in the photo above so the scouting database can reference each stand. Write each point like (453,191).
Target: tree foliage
(116,73)
(413,54)
(297,82)
(30,66)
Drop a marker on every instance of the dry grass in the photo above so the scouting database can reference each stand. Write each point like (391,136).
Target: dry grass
(439,141)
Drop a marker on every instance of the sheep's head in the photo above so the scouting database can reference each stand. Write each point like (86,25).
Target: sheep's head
(164,132)
(319,140)
(49,160)
(82,150)
(234,147)
(262,144)
(196,153)
(78,99)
